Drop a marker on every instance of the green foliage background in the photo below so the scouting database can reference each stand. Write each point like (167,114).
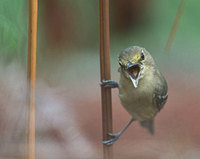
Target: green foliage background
(152,35)
(13,29)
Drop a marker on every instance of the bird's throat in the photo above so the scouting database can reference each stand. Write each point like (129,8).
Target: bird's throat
(134,73)
(134,81)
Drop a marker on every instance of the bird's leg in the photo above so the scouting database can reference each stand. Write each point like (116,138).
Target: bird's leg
(109,84)
(116,136)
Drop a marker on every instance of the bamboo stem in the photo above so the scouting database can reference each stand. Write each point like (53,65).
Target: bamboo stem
(105,75)
(174,27)
(31,75)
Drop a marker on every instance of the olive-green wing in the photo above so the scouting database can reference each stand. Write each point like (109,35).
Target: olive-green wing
(161,93)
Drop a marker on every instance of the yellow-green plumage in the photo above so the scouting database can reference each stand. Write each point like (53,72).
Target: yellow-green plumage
(140,102)
(142,88)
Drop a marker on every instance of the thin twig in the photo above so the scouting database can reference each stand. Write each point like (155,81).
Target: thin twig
(174,27)
(31,75)
(105,75)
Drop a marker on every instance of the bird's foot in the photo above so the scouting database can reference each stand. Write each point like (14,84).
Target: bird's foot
(115,137)
(109,84)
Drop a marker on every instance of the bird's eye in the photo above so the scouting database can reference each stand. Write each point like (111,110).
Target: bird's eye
(142,56)
(120,64)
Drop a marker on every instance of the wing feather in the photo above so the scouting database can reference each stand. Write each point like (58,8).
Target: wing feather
(161,93)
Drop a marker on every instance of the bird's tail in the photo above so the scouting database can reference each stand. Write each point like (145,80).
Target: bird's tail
(149,125)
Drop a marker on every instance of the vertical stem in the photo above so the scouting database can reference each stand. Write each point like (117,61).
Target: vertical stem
(174,27)
(31,75)
(105,75)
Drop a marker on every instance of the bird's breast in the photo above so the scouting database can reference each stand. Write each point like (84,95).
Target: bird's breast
(138,101)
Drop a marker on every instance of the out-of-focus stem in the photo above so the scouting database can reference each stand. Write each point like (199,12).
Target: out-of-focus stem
(31,76)
(174,27)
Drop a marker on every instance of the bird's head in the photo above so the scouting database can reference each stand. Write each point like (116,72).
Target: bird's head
(134,63)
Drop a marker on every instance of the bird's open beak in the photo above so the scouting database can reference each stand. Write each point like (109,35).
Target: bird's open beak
(133,71)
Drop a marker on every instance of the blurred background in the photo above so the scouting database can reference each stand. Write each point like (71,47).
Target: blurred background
(68,110)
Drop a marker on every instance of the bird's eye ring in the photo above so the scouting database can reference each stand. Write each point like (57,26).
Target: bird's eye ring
(142,56)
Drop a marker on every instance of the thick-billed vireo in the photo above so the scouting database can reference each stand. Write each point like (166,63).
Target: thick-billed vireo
(142,88)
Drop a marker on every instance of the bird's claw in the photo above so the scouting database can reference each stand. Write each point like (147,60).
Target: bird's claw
(113,135)
(109,84)
(111,141)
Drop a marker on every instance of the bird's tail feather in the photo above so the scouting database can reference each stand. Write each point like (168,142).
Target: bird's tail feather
(149,125)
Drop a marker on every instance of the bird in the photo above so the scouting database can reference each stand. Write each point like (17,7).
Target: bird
(143,90)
